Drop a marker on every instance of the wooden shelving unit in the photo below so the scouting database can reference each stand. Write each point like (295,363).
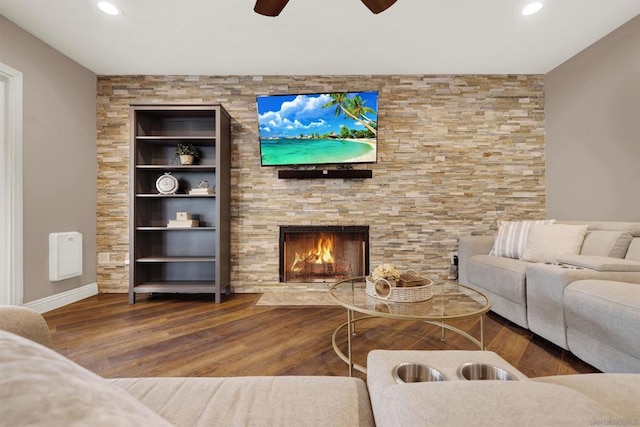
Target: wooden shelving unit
(179,260)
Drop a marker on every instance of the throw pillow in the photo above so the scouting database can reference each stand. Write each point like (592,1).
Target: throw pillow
(546,242)
(606,243)
(633,252)
(512,237)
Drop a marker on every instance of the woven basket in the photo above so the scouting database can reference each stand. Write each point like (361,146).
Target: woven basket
(402,291)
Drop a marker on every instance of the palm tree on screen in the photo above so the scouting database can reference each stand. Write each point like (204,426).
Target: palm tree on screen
(345,106)
(357,107)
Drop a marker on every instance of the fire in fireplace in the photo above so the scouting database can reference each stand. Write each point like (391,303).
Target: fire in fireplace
(311,254)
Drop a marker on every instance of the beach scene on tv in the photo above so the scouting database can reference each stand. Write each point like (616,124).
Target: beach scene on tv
(318,128)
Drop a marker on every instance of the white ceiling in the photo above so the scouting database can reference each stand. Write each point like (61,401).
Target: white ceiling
(319,37)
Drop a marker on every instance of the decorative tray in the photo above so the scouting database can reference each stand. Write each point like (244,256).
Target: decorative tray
(410,287)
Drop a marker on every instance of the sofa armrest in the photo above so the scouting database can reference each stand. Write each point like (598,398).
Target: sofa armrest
(25,322)
(469,246)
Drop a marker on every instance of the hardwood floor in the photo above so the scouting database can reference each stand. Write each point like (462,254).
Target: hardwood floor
(189,335)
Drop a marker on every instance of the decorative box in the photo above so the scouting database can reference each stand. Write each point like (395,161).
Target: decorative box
(181,216)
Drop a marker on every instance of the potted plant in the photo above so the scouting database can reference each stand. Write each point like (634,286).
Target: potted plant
(187,153)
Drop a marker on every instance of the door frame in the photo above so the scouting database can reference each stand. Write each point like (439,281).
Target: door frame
(11,187)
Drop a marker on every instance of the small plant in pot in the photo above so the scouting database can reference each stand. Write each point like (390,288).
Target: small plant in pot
(187,153)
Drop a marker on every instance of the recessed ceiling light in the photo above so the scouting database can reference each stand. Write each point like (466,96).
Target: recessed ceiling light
(532,8)
(108,8)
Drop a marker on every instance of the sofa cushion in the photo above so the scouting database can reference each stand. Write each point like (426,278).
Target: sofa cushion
(501,276)
(512,237)
(487,403)
(546,242)
(633,253)
(600,263)
(618,392)
(39,387)
(255,401)
(606,243)
(608,311)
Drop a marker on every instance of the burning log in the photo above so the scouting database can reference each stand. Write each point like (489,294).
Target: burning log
(319,260)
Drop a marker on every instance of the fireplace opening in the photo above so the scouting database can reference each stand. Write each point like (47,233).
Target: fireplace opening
(318,254)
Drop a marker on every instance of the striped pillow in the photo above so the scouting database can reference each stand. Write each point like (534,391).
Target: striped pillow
(512,237)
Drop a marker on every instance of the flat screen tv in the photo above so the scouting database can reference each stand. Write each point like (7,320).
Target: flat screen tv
(318,128)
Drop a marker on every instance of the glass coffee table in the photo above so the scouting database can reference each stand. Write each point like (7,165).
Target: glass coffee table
(450,301)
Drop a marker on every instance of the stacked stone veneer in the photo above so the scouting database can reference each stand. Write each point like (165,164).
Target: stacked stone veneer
(455,154)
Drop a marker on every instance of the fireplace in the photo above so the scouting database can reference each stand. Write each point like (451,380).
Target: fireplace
(319,254)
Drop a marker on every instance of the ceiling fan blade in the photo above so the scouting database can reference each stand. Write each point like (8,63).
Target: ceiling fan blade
(377,6)
(270,7)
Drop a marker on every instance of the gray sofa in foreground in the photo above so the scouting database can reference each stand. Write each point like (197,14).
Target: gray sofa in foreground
(587,302)
(39,387)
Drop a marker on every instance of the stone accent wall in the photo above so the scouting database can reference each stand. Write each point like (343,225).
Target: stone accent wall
(455,154)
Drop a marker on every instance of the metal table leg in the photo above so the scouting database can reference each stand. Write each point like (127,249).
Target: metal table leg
(350,329)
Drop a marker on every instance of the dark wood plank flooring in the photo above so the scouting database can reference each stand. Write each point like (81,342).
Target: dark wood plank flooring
(189,335)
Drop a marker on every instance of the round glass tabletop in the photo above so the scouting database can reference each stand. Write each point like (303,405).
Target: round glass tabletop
(450,300)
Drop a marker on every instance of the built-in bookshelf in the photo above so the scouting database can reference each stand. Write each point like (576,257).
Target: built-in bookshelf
(185,259)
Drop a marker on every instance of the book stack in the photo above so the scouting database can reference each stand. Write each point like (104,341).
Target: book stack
(182,223)
(201,191)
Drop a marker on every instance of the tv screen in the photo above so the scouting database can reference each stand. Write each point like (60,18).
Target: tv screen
(318,128)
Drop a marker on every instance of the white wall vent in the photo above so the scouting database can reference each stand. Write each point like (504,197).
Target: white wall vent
(65,255)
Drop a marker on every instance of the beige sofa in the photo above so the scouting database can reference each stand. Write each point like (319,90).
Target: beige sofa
(39,387)
(587,302)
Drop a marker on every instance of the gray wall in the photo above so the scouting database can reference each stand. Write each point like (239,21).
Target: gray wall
(59,156)
(593,131)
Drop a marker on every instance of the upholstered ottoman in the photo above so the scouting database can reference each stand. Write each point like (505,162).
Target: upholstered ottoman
(603,319)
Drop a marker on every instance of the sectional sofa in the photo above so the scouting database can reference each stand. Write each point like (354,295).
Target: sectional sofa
(39,387)
(574,283)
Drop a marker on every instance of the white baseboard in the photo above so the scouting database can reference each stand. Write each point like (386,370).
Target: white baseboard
(64,298)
